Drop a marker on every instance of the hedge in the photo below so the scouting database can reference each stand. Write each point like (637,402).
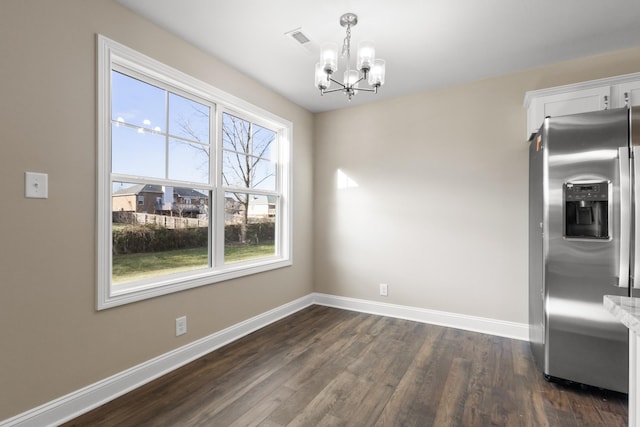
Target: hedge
(150,238)
(257,232)
(134,238)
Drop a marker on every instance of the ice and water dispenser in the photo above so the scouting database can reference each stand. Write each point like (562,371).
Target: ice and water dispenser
(586,210)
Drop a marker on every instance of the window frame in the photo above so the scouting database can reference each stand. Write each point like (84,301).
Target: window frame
(113,55)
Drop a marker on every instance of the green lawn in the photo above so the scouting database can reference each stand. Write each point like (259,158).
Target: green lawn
(138,266)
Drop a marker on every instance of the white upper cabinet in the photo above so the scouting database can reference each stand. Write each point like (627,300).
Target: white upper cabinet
(628,94)
(561,104)
(582,97)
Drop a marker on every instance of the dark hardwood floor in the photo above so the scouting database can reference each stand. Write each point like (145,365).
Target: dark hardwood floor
(328,367)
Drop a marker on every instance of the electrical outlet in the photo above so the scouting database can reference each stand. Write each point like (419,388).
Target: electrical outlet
(383,289)
(181,325)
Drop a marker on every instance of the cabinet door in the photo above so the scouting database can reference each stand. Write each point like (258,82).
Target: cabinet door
(628,91)
(574,102)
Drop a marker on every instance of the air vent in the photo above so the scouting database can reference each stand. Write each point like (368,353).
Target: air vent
(298,36)
(302,40)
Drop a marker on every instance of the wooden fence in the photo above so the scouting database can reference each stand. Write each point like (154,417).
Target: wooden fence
(159,220)
(170,221)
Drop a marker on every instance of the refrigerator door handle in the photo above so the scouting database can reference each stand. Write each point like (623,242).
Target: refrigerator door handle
(636,216)
(625,216)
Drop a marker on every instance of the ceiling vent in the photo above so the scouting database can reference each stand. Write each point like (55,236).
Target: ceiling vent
(302,40)
(298,36)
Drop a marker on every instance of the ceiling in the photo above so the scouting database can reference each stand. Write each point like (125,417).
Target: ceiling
(427,44)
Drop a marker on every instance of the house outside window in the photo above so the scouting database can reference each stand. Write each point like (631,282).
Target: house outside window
(211,199)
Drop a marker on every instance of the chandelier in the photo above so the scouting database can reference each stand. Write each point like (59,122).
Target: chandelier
(368,69)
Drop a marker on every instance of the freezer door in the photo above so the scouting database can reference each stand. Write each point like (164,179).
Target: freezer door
(585,343)
(634,133)
(536,249)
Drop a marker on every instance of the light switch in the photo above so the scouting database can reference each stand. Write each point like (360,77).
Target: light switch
(36,185)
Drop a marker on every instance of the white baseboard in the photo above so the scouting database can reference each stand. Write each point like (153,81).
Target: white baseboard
(519,331)
(81,401)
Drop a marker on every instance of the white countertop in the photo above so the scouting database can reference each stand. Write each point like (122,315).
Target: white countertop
(625,309)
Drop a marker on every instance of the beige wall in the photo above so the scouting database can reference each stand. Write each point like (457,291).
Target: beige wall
(440,211)
(52,340)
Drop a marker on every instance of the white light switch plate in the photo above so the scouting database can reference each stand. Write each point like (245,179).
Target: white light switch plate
(36,185)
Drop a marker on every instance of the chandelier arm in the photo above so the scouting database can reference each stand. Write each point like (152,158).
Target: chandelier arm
(359,80)
(366,89)
(334,90)
(337,82)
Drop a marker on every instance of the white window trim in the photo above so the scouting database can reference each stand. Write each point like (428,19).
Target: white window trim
(110,53)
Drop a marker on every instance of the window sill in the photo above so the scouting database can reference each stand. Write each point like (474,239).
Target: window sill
(139,291)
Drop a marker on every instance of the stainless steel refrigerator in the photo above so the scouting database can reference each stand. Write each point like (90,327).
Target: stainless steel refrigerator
(582,237)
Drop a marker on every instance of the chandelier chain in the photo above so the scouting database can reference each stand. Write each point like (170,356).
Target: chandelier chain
(346,45)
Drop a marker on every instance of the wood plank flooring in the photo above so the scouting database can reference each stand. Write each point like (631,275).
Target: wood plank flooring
(329,367)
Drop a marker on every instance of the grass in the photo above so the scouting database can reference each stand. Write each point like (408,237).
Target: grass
(244,252)
(142,265)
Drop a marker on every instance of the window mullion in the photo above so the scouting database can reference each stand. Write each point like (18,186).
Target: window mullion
(116,177)
(213,193)
(218,227)
(166,137)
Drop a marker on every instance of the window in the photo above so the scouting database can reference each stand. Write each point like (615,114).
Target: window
(215,172)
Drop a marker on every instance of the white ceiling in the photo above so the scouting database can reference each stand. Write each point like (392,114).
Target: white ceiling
(427,43)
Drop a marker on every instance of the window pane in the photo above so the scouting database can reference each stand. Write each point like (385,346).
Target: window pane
(137,103)
(263,175)
(244,137)
(263,142)
(235,134)
(167,233)
(188,162)
(243,171)
(248,160)
(188,119)
(137,152)
(234,170)
(250,226)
